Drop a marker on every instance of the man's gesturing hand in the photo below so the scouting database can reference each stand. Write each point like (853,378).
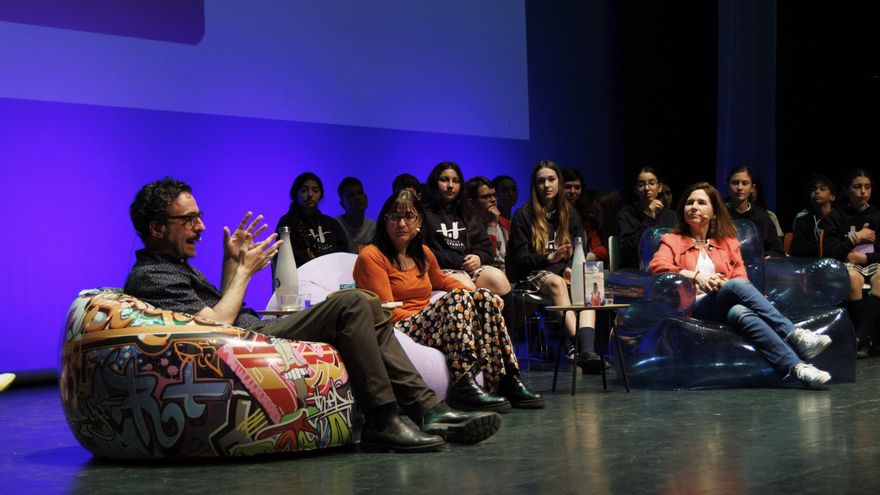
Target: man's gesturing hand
(243,237)
(258,255)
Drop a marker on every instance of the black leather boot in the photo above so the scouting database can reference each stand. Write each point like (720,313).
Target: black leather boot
(460,426)
(398,436)
(518,394)
(468,395)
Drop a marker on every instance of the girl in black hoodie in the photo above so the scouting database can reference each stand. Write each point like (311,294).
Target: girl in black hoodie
(460,244)
(740,182)
(312,233)
(851,236)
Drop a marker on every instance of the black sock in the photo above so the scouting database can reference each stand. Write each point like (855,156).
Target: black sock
(586,338)
(870,319)
(854,309)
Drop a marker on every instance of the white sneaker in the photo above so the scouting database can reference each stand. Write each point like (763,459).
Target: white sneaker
(811,376)
(807,344)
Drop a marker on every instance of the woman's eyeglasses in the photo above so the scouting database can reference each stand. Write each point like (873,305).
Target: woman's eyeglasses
(396,217)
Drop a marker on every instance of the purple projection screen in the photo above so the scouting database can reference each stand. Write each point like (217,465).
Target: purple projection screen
(237,98)
(345,62)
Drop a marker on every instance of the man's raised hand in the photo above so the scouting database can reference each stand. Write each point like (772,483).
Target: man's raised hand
(258,255)
(243,237)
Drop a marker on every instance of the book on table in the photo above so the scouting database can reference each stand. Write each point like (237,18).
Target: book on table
(594,283)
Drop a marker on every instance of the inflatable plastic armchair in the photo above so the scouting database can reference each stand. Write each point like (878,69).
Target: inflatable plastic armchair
(665,348)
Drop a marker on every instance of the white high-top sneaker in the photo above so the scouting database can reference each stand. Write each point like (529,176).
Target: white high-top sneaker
(807,344)
(811,376)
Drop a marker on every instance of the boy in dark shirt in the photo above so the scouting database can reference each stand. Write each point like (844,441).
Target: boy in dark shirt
(809,225)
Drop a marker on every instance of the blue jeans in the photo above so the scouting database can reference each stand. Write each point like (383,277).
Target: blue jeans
(739,304)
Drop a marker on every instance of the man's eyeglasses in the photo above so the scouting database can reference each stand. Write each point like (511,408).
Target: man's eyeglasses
(487,197)
(189,219)
(396,217)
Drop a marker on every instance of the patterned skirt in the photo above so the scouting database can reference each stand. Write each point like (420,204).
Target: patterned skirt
(534,281)
(468,328)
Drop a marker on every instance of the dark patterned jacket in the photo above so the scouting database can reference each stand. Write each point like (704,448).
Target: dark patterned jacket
(168,282)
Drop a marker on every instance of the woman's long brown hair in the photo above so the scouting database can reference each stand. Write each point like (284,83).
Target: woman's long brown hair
(540,228)
(720,227)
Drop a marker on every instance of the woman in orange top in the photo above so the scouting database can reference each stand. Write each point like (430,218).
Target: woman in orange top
(703,247)
(466,326)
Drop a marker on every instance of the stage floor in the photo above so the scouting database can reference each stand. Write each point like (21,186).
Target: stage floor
(720,441)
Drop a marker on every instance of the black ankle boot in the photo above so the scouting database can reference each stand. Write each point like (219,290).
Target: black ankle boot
(518,394)
(468,395)
(466,427)
(391,434)
(589,362)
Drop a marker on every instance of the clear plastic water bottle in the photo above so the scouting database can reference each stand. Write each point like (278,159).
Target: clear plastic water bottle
(286,280)
(577,272)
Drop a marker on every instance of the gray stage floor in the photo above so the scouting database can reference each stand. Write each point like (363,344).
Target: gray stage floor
(720,441)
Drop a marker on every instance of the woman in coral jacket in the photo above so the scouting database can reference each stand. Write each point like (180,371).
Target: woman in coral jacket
(703,247)
(465,325)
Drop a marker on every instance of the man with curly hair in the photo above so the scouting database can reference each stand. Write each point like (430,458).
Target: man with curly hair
(169,222)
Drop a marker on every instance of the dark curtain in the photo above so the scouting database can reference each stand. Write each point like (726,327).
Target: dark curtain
(747,91)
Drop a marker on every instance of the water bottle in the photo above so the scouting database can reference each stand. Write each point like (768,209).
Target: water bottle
(577,272)
(286,280)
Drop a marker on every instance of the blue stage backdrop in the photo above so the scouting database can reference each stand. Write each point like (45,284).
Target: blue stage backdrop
(239,97)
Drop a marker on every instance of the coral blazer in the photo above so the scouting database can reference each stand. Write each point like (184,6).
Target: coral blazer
(679,252)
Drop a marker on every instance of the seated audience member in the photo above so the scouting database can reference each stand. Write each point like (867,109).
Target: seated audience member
(484,207)
(407,181)
(539,256)
(465,325)
(703,247)
(359,229)
(851,236)
(646,212)
(168,220)
(505,188)
(573,183)
(809,224)
(573,188)
(740,183)
(757,198)
(458,241)
(312,233)
(666,195)
(602,222)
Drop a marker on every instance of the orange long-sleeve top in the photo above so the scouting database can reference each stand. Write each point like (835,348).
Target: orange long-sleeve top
(374,271)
